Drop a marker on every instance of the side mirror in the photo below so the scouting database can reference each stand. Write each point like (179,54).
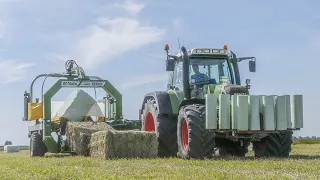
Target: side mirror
(169,65)
(248,83)
(252,66)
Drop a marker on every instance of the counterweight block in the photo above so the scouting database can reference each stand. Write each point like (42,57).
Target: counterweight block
(254,112)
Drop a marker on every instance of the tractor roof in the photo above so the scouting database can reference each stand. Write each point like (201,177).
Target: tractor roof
(207,51)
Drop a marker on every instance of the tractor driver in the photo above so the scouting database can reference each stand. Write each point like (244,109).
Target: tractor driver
(198,76)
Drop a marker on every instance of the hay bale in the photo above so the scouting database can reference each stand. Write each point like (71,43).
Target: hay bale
(79,135)
(101,144)
(11,148)
(100,126)
(123,144)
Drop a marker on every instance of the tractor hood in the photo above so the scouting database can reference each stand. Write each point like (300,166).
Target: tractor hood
(234,89)
(225,89)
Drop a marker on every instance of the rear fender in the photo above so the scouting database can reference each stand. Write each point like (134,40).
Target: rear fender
(163,101)
(192,101)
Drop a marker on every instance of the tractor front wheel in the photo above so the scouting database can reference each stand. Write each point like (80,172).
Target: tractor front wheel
(164,126)
(37,146)
(194,140)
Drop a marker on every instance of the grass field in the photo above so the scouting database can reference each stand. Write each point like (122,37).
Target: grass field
(304,163)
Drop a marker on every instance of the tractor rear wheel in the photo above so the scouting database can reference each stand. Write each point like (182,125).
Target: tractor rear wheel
(194,140)
(274,145)
(164,126)
(37,146)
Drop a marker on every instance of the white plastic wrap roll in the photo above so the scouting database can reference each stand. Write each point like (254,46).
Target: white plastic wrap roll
(79,104)
(11,148)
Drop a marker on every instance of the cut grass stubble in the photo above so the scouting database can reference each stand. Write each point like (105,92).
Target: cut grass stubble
(303,163)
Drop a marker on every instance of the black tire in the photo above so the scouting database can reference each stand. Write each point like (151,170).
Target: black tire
(274,145)
(37,146)
(229,148)
(164,126)
(200,142)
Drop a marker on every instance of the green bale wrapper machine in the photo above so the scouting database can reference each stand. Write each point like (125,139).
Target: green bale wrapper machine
(205,108)
(40,134)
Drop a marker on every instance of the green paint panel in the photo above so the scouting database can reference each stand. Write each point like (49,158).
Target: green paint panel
(176,97)
(51,144)
(254,112)
(242,113)
(297,111)
(268,113)
(209,88)
(288,112)
(211,111)
(280,112)
(217,90)
(224,111)
(234,112)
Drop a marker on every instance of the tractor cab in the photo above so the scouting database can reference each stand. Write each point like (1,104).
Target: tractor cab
(204,74)
(205,70)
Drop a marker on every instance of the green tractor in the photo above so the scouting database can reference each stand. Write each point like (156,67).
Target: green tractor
(205,108)
(40,134)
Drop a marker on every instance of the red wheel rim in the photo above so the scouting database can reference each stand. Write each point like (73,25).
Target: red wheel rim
(185,134)
(149,123)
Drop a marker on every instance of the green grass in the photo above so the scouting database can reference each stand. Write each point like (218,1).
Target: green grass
(304,163)
(306,141)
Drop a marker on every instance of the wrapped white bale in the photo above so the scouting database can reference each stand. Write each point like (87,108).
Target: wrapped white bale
(78,104)
(79,134)
(95,110)
(123,144)
(55,105)
(11,148)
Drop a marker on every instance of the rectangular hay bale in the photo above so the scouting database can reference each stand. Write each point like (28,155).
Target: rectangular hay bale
(101,144)
(79,135)
(123,144)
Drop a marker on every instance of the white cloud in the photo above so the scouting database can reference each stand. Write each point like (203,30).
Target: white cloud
(177,23)
(108,39)
(131,7)
(178,27)
(144,79)
(13,70)
(2,29)
(10,1)
(3,24)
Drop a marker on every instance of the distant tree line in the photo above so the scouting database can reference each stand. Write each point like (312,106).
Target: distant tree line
(8,143)
(306,137)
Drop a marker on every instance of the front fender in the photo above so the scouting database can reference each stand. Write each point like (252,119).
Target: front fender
(163,101)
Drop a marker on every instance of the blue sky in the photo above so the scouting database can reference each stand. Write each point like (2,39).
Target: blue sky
(123,41)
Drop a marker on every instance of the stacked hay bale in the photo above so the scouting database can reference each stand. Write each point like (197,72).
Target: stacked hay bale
(79,135)
(123,144)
